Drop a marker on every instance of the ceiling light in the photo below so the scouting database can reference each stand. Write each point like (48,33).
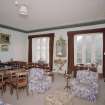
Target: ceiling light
(23,10)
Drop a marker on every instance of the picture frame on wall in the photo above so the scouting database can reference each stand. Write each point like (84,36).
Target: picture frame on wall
(4,38)
(61,47)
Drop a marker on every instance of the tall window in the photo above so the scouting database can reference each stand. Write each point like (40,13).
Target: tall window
(40,49)
(88,48)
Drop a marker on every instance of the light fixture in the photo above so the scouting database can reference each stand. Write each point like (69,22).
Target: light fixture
(22,8)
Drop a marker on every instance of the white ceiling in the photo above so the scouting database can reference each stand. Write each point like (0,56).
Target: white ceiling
(51,13)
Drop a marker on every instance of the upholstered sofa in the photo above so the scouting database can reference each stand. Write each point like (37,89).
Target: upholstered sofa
(85,85)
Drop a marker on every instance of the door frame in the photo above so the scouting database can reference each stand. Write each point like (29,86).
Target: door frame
(71,35)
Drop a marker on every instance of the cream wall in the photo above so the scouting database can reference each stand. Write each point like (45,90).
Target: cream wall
(17,47)
(63,33)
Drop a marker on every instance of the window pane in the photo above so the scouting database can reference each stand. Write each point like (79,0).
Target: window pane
(40,49)
(88,54)
(88,48)
(79,55)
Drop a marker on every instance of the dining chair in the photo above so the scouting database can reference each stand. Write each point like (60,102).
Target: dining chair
(2,83)
(20,82)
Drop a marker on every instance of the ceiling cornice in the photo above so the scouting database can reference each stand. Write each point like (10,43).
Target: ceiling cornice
(12,28)
(57,27)
(70,26)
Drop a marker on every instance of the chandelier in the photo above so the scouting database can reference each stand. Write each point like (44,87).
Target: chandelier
(22,8)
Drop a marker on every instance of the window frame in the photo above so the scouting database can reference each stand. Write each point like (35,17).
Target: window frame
(71,66)
(51,45)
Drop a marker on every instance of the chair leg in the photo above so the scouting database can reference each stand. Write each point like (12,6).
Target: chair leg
(27,90)
(17,93)
(11,89)
(2,90)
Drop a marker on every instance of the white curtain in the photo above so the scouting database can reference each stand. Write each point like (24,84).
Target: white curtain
(88,48)
(40,49)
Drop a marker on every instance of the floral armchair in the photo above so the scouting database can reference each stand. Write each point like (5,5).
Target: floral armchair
(85,85)
(38,82)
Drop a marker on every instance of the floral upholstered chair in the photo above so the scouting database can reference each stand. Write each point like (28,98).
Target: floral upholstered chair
(38,82)
(85,85)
